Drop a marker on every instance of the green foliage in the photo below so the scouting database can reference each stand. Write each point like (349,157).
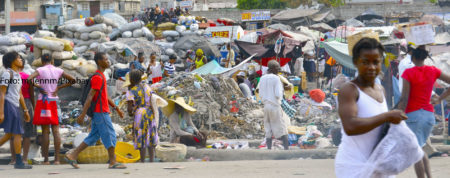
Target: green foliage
(333,3)
(261,4)
(434,1)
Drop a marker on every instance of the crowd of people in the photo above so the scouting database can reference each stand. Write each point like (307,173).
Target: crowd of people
(159,15)
(362,104)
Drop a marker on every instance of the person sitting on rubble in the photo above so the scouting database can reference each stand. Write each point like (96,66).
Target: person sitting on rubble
(169,67)
(190,65)
(138,63)
(139,97)
(182,129)
(200,59)
(245,89)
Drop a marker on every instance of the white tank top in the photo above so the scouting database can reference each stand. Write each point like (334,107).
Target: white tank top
(355,150)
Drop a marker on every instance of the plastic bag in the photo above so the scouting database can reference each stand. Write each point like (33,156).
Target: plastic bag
(397,151)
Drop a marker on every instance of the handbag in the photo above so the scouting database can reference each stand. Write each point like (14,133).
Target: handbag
(46,113)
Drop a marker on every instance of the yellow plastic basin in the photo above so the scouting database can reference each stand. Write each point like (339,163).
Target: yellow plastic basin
(125,153)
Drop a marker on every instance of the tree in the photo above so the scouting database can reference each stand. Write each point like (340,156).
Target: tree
(261,4)
(332,3)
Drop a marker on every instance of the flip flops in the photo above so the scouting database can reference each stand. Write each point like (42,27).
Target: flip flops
(118,166)
(73,163)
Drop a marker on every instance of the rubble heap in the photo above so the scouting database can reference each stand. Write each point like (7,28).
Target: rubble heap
(211,96)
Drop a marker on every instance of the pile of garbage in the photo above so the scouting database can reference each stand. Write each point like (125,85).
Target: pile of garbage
(213,96)
(45,43)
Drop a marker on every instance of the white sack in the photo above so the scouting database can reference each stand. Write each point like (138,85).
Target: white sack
(84,36)
(96,27)
(131,26)
(63,55)
(180,28)
(48,44)
(44,33)
(80,49)
(170,33)
(127,34)
(137,33)
(16,48)
(96,35)
(11,41)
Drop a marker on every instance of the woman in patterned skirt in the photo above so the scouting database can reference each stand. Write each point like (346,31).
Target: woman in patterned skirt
(139,98)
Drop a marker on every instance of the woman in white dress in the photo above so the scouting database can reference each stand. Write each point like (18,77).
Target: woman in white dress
(363,110)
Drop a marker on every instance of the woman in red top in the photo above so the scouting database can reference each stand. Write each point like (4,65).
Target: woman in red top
(416,95)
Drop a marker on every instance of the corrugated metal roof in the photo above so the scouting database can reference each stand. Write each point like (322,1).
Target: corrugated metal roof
(294,13)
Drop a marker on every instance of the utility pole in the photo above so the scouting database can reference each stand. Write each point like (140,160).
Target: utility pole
(61,16)
(7,16)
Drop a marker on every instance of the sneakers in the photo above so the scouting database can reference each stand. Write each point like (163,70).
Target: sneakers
(22,166)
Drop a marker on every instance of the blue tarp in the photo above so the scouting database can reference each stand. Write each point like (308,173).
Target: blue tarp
(210,68)
(339,52)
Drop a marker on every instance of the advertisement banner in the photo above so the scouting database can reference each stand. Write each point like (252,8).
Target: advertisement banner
(255,16)
(186,4)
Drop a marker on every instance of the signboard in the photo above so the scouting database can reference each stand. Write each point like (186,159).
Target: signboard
(221,34)
(185,4)
(23,18)
(255,16)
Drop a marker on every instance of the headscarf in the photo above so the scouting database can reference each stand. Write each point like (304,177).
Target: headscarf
(199,52)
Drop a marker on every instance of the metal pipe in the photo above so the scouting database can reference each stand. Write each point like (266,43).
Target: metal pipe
(7,16)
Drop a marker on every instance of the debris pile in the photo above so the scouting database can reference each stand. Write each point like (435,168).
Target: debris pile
(212,97)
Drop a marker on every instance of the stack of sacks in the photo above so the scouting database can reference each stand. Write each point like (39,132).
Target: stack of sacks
(89,32)
(134,29)
(82,69)
(12,42)
(59,49)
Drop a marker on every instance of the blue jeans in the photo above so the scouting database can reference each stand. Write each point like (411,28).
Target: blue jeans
(421,122)
(102,128)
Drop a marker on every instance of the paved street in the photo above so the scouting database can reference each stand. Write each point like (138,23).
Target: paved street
(273,168)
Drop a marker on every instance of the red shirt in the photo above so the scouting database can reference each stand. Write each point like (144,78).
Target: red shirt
(96,84)
(25,85)
(421,81)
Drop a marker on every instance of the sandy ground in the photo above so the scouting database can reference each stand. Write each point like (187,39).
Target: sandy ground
(248,169)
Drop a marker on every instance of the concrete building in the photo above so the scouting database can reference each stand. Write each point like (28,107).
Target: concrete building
(25,15)
(90,8)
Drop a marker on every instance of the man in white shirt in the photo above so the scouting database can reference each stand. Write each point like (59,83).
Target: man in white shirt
(271,93)
(404,64)
(229,61)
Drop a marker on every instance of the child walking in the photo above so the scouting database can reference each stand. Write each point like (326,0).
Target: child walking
(139,96)
(48,76)
(10,99)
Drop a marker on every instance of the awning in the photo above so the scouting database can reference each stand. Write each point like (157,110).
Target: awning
(339,52)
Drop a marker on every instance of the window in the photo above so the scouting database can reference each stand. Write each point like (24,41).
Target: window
(85,6)
(20,5)
(105,6)
(134,6)
(122,6)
